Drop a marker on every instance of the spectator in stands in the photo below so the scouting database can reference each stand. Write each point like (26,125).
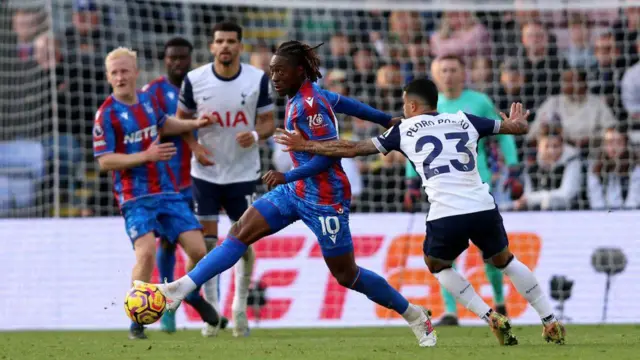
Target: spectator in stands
(540,61)
(403,26)
(511,89)
(580,51)
(69,148)
(482,78)
(261,59)
(416,63)
(460,33)
(605,76)
(626,32)
(363,77)
(581,115)
(339,58)
(553,182)
(388,93)
(89,33)
(27,24)
(630,94)
(614,179)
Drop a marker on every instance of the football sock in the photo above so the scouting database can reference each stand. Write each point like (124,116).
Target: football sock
(412,314)
(495,277)
(465,293)
(166,259)
(135,326)
(243,271)
(211,289)
(450,306)
(218,260)
(378,290)
(527,285)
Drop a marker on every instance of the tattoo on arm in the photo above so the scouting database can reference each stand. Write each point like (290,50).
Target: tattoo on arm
(341,148)
(514,127)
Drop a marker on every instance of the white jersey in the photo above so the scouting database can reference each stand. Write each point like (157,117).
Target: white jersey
(443,149)
(235,103)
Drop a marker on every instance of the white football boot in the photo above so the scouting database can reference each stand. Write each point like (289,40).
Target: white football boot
(423,329)
(172,299)
(240,323)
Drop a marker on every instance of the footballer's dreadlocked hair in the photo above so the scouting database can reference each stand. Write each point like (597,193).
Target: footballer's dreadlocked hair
(303,55)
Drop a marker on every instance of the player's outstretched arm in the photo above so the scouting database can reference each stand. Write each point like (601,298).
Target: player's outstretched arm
(346,105)
(175,126)
(516,123)
(155,152)
(293,141)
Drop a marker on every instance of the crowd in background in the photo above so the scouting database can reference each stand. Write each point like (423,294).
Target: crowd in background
(577,71)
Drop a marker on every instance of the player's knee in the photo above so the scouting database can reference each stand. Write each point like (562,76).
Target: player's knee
(345,278)
(501,259)
(436,265)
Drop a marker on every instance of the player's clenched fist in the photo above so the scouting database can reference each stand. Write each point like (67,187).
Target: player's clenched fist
(160,152)
(273,179)
(293,141)
(245,139)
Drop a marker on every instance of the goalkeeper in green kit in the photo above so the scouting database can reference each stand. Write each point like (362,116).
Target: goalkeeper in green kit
(448,73)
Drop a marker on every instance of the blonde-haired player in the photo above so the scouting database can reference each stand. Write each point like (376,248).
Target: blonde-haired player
(126,141)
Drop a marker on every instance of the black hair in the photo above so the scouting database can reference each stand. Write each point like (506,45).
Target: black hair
(178,42)
(424,89)
(303,55)
(227,26)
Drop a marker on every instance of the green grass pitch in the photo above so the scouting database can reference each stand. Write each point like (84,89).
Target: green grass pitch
(583,343)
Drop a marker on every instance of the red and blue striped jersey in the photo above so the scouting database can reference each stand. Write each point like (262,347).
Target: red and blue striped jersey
(129,129)
(167,95)
(310,110)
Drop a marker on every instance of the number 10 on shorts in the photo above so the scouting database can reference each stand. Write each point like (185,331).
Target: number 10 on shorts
(330,226)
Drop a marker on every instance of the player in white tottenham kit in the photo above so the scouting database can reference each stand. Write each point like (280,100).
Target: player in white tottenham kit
(443,149)
(225,167)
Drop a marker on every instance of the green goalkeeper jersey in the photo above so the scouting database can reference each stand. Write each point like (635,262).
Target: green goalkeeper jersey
(478,104)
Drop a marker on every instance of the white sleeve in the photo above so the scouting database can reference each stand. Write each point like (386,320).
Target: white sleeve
(633,196)
(594,192)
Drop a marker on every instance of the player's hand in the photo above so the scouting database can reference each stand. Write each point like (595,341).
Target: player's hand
(395,121)
(293,141)
(204,121)
(516,113)
(202,154)
(520,204)
(160,151)
(245,139)
(273,179)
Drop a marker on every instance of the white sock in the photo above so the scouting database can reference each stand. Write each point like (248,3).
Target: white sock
(211,291)
(183,286)
(527,285)
(464,293)
(412,314)
(243,269)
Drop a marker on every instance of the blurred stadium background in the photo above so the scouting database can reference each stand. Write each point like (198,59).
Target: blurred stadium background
(573,63)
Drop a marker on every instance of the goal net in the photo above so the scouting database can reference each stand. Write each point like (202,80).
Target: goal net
(573,63)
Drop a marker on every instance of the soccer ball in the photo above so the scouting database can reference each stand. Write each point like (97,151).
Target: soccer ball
(144,304)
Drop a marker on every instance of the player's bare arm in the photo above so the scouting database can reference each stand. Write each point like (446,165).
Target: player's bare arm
(175,126)
(265,127)
(155,152)
(334,148)
(516,123)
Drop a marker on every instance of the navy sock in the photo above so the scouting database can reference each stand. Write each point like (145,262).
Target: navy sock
(378,290)
(194,296)
(218,260)
(135,326)
(166,259)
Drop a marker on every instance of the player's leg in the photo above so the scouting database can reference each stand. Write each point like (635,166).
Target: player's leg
(207,201)
(141,225)
(211,288)
(330,224)
(179,224)
(450,317)
(491,238)
(496,279)
(446,239)
(236,201)
(267,216)
(166,262)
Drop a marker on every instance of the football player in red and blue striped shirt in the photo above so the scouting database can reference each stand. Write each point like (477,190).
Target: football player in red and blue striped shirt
(316,191)
(126,141)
